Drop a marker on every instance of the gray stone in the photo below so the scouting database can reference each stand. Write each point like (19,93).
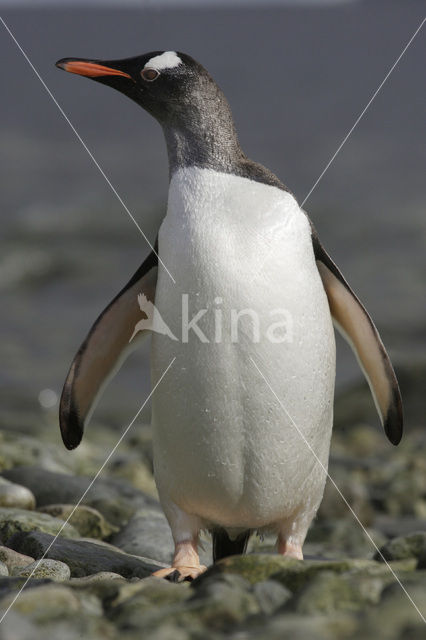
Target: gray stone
(45,568)
(396,617)
(15,495)
(148,534)
(143,603)
(271,595)
(17,449)
(216,606)
(17,627)
(83,558)
(340,538)
(328,592)
(115,499)
(412,545)
(132,467)
(13,560)
(290,572)
(95,578)
(396,527)
(299,627)
(14,520)
(88,521)
(4,571)
(47,602)
(60,612)
(11,584)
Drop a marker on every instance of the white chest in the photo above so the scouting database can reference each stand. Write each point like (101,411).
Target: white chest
(238,248)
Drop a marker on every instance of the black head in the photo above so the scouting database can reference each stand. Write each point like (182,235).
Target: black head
(187,102)
(165,83)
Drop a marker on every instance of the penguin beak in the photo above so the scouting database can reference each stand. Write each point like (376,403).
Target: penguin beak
(90,68)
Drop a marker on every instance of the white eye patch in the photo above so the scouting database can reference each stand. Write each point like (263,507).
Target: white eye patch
(166,60)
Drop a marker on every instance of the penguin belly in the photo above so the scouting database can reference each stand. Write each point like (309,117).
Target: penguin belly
(226,448)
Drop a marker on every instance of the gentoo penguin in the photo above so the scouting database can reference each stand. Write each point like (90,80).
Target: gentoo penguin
(242,421)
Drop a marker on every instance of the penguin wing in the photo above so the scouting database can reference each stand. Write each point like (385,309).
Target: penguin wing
(103,352)
(354,323)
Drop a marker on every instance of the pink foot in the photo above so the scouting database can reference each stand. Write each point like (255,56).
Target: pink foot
(181,573)
(289,550)
(186,563)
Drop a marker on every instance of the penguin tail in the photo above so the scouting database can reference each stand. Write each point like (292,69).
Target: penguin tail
(223,546)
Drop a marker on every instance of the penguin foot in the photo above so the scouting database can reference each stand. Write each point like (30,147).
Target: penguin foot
(186,563)
(289,550)
(180,574)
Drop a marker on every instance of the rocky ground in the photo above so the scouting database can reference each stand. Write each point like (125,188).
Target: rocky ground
(94,581)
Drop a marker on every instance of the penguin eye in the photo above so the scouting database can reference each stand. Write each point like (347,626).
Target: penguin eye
(149,74)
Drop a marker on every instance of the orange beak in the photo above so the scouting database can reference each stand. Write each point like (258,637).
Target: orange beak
(89,69)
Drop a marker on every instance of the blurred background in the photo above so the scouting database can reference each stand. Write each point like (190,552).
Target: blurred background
(297,75)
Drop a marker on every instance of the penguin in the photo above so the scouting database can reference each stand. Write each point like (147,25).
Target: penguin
(242,421)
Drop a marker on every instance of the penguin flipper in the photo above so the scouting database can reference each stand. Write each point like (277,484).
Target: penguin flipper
(354,323)
(103,352)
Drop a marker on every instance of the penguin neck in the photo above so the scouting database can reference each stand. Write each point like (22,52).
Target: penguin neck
(208,142)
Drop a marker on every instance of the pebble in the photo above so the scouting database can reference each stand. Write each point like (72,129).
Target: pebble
(116,499)
(412,545)
(83,558)
(45,568)
(15,495)
(14,560)
(14,520)
(87,520)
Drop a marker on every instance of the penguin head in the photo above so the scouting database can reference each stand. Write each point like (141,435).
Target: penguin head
(171,86)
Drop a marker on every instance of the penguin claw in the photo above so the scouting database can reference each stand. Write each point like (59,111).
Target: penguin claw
(180,574)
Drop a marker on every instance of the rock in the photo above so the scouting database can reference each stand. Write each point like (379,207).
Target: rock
(138,604)
(289,572)
(115,499)
(17,627)
(300,627)
(339,538)
(328,592)
(271,595)
(219,584)
(412,545)
(14,560)
(132,468)
(396,617)
(252,567)
(223,601)
(148,534)
(61,612)
(17,449)
(422,561)
(395,527)
(95,578)
(4,571)
(14,520)
(218,605)
(45,568)
(352,484)
(88,521)
(295,577)
(12,584)
(14,495)
(82,557)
